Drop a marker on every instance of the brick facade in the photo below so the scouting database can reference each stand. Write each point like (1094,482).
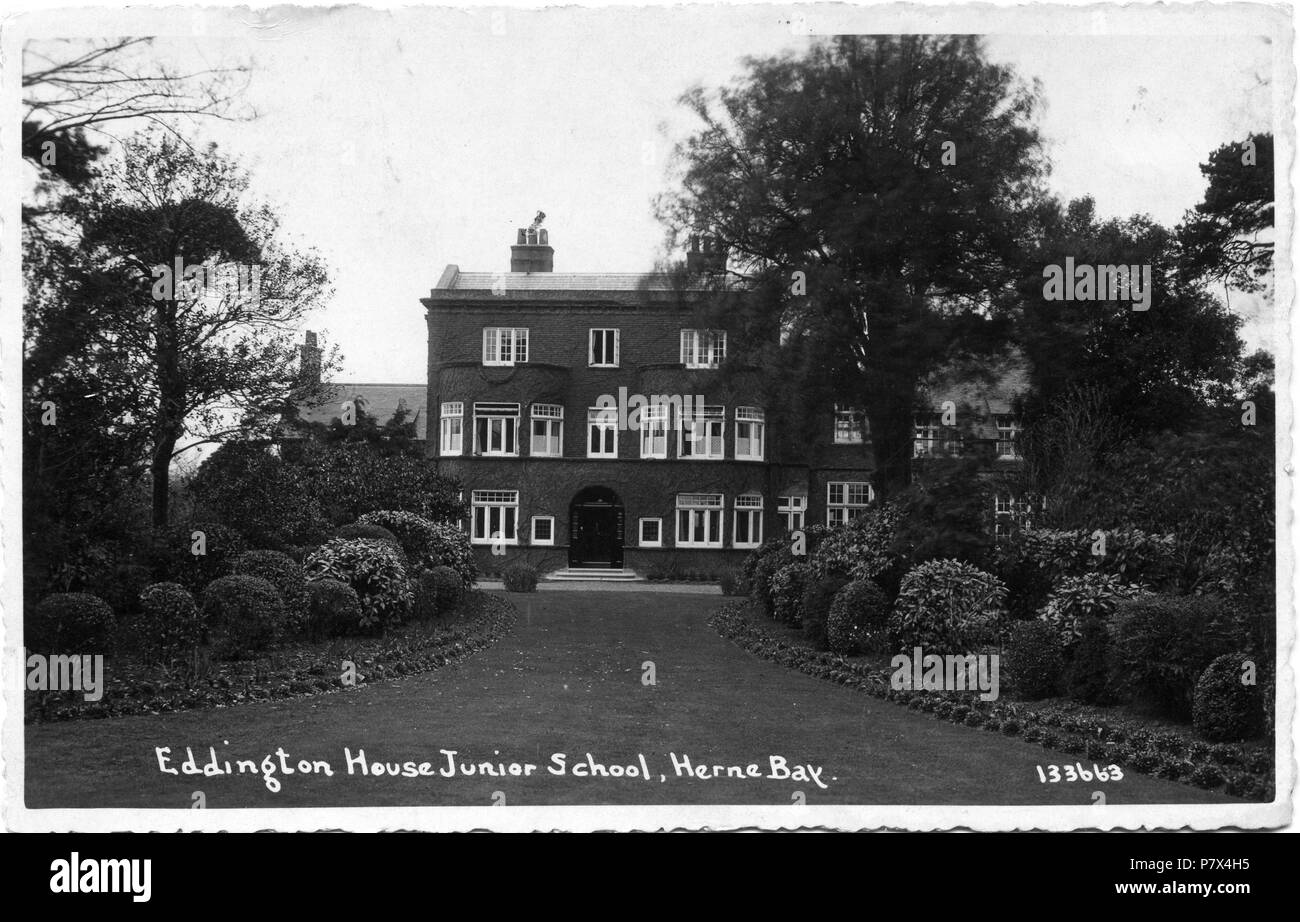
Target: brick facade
(559,311)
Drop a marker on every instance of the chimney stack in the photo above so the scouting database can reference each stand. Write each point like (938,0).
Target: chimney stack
(309,370)
(705,255)
(531,252)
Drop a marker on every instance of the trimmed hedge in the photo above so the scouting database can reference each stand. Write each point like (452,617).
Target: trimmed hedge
(170,621)
(519,577)
(285,574)
(1033,662)
(375,569)
(788,584)
(243,615)
(1160,645)
(71,623)
(1224,708)
(858,621)
(817,599)
(333,609)
(947,606)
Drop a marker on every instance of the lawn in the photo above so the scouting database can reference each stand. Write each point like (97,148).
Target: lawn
(570,679)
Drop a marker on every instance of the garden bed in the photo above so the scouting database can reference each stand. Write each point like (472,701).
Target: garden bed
(135,686)
(1239,769)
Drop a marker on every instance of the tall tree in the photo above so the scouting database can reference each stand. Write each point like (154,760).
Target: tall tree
(185,300)
(1150,365)
(1227,238)
(76,88)
(873,193)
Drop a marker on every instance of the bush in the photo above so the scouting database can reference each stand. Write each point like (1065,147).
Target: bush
(376,570)
(358,530)
(817,599)
(787,592)
(767,560)
(242,615)
(1131,554)
(1034,663)
(419,537)
(1224,709)
(445,588)
(1160,644)
(948,607)
(731,584)
(519,577)
(173,559)
(285,574)
(451,546)
(860,549)
(71,623)
(1085,676)
(333,609)
(858,619)
(1075,599)
(171,625)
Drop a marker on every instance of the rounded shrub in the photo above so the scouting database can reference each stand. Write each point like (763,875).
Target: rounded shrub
(242,614)
(1160,645)
(170,621)
(376,571)
(362,531)
(947,606)
(862,548)
(194,554)
(520,577)
(1225,709)
(333,609)
(451,546)
(71,623)
(764,572)
(817,598)
(1033,662)
(285,574)
(1086,676)
(445,586)
(1075,599)
(858,620)
(418,536)
(788,584)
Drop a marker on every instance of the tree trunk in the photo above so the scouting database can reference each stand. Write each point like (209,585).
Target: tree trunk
(160,471)
(170,421)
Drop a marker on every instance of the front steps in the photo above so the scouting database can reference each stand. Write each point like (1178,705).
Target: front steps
(592,575)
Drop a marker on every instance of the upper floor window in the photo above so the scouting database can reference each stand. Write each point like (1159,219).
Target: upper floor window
(850,424)
(451,428)
(604,349)
(701,433)
(846,500)
(703,348)
(548,431)
(749,434)
(654,431)
(1008,437)
(505,345)
(496,428)
(602,432)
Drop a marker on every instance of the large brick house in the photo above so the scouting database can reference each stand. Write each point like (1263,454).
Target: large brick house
(529,371)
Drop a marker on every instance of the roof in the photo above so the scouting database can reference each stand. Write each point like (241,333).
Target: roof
(497,283)
(995,396)
(378,400)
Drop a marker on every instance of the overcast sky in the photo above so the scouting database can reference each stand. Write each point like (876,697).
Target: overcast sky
(399,142)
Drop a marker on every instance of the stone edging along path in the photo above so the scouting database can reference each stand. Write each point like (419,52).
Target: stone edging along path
(295,672)
(1237,770)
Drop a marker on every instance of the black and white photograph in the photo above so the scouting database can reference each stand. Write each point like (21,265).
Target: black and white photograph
(737,416)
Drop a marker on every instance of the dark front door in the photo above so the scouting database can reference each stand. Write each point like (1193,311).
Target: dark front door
(596,530)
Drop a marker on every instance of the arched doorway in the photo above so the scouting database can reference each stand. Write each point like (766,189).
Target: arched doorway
(596,529)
